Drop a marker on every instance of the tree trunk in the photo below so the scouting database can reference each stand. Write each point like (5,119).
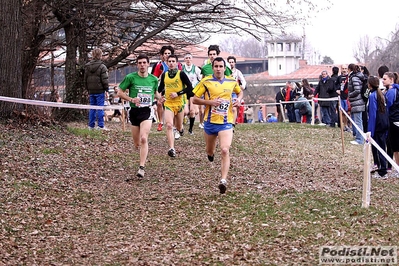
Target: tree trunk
(10,59)
(74,87)
(32,17)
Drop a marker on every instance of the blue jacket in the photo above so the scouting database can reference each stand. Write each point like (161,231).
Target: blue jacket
(393,103)
(378,122)
(260,115)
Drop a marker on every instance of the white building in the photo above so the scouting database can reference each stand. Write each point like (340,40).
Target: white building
(283,56)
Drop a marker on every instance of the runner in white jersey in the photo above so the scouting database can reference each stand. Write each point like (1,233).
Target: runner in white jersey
(194,74)
(239,77)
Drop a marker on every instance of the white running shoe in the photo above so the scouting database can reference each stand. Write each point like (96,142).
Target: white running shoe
(354,142)
(177,134)
(377,176)
(201,125)
(140,173)
(102,128)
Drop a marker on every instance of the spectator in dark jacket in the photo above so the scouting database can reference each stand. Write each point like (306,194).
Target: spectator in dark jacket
(280,97)
(96,82)
(322,89)
(341,85)
(391,80)
(366,74)
(356,101)
(333,94)
(290,96)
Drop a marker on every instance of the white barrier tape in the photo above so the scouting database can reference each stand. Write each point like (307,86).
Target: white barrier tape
(371,140)
(276,104)
(314,100)
(63,105)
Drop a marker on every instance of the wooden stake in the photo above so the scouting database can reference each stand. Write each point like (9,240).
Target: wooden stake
(342,125)
(313,111)
(366,173)
(282,111)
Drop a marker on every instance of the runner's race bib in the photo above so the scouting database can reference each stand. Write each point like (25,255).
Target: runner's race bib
(222,108)
(145,99)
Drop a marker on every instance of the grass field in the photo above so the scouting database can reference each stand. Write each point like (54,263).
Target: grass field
(64,199)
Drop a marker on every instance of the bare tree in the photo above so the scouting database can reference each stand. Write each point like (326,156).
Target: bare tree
(122,29)
(10,50)
(364,49)
(245,47)
(385,52)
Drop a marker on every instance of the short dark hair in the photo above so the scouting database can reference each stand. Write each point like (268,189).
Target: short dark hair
(173,56)
(365,70)
(231,57)
(382,70)
(214,47)
(219,59)
(143,56)
(167,47)
(335,70)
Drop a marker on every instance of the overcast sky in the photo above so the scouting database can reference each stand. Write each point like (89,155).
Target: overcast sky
(337,31)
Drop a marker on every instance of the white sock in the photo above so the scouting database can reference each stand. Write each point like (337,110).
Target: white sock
(223,181)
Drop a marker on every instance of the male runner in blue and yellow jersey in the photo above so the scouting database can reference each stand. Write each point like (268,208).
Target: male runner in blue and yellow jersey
(218,118)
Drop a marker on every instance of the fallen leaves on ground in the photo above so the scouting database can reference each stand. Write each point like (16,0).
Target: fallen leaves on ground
(64,198)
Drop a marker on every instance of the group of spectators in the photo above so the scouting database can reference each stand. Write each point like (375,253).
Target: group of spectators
(371,101)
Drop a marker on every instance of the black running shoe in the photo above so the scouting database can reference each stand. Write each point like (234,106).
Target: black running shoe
(222,187)
(172,153)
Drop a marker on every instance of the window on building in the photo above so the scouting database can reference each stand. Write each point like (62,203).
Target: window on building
(272,47)
(280,47)
(289,47)
(279,67)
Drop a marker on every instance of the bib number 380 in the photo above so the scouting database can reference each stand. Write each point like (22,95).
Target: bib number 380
(145,99)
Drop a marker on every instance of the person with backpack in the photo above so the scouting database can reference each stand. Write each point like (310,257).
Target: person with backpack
(378,124)
(356,101)
(392,98)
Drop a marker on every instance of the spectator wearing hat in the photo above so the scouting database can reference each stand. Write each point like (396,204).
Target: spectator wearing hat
(271,118)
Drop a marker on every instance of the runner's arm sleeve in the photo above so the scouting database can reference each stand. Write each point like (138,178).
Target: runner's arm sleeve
(161,87)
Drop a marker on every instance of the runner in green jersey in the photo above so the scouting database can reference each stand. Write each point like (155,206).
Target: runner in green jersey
(142,88)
